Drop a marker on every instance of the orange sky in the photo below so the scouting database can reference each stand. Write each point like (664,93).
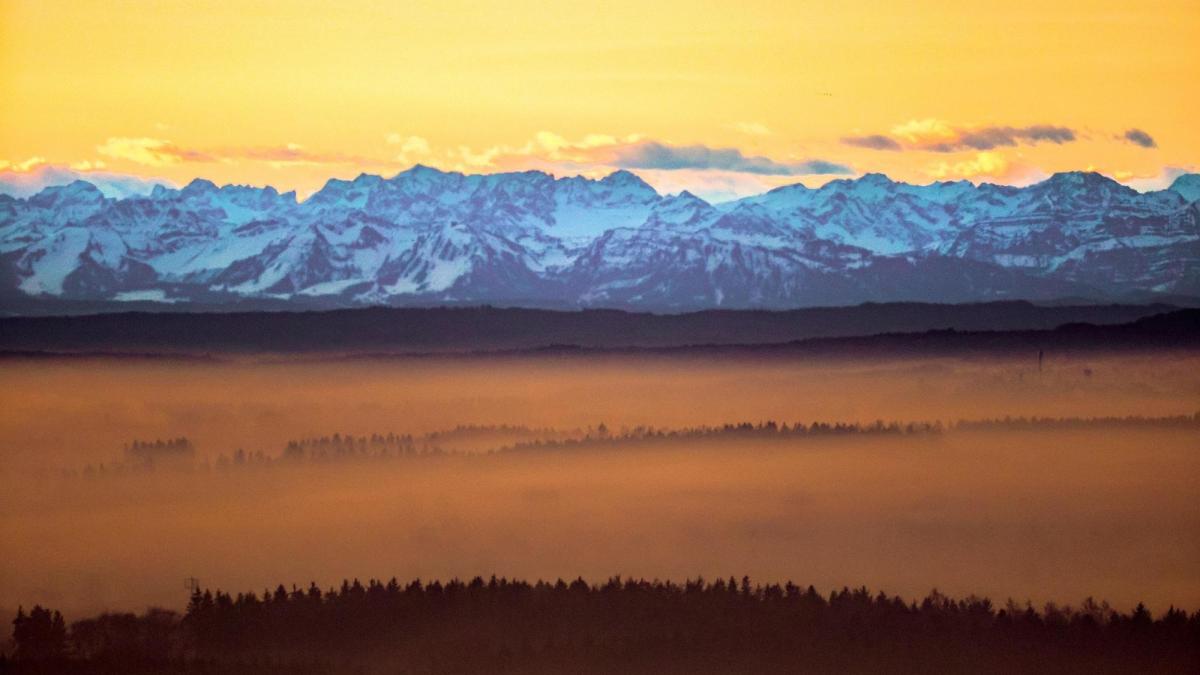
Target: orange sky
(722,98)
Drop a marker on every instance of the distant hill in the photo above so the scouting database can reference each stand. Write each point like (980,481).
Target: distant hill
(448,330)
(1173,331)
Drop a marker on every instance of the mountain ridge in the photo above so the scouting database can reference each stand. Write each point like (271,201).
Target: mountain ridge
(426,237)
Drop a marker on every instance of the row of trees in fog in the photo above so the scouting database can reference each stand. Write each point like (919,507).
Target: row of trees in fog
(719,626)
(770,429)
(1067,423)
(181,452)
(160,450)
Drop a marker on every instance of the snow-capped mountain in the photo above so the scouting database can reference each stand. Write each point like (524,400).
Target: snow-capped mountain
(1187,186)
(425,236)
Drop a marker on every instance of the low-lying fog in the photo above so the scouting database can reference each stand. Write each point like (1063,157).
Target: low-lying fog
(1040,514)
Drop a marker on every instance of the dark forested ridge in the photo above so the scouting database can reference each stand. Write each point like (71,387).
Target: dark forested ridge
(467,329)
(620,626)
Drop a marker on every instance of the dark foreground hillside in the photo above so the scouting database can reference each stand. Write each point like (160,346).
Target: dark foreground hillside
(621,626)
(467,329)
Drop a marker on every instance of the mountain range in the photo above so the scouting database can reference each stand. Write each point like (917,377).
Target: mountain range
(428,237)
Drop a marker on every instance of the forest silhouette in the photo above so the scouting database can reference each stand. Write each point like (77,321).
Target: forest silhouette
(1047,484)
(620,625)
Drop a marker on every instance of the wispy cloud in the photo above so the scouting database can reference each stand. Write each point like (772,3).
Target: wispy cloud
(545,150)
(873,142)
(988,164)
(411,148)
(26,178)
(596,151)
(919,132)
(292,154)
(934,135)
(150,151)
(655,155)
(88,165)
(1140,138)
(1157,180)
(988,138)
(22,166)
(751,128)
(158,152)
(713,186)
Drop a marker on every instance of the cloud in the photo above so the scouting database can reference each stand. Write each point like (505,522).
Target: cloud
(412,148)
(150,151)
(292,154)
(551,142)
(1044,133)
(988,138)
(22,166)
(546,150)
(1160,180)
(1140,138)
(21,182)
(934,135)
(940,136)
(655,155)
(162,153)
(486,158)
(714,173)
(718,172)
(409,145)
(983,164)
(918,132)
(873,141)
(752,128)
(713,186)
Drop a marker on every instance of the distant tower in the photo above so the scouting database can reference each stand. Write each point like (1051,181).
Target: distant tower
(1041,356)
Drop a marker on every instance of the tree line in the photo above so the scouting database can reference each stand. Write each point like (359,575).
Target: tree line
(1053,423)
(620,625)
(181,452)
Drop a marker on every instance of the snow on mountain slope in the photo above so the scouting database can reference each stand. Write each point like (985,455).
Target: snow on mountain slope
(428,236)
(456,262)
(1187,186)
(872,212)
(657,267)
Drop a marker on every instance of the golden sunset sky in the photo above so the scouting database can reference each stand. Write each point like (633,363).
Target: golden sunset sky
(723,98)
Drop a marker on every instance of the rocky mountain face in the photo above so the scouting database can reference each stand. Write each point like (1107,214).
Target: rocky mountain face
(430,237)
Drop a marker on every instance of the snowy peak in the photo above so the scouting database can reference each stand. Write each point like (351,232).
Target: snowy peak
(1187,186)
(426,236)
(868,187)
(629,185)
(75,194)
(1081,184)
(683,209)
(345,193)
(65,204)
(199,187)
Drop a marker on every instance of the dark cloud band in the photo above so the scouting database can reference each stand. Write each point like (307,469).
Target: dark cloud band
(1140,138)
(654,155)
(873,141)
(989,138)
(979,138)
